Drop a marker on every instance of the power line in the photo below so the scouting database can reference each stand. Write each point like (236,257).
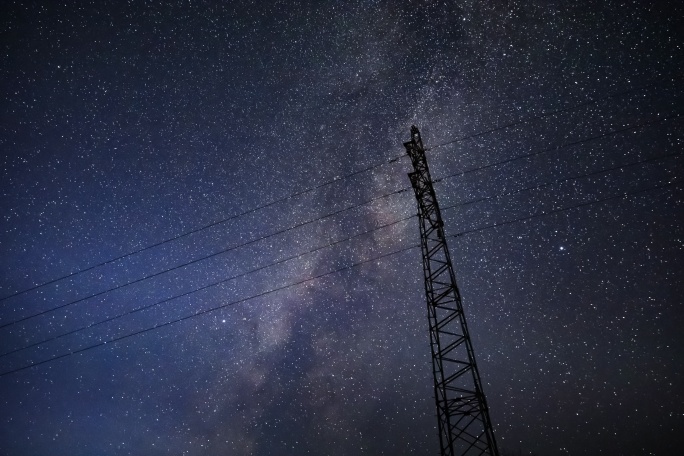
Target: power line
(563,146)
(188,293)
(206,311)
(522,219)
(555,148)
(559,181)
(319,186)
(197,260)
(202,228)
(479,200)
(564,209)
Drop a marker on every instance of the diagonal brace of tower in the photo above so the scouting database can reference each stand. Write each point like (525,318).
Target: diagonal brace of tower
(463,417)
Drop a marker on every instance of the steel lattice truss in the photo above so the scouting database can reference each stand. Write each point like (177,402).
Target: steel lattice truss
(463,418)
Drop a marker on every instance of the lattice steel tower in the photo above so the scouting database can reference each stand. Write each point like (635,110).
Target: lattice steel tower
(463,418)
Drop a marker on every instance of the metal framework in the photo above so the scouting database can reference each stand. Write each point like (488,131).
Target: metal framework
(463,418)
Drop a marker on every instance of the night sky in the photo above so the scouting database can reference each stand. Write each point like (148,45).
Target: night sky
(144,142)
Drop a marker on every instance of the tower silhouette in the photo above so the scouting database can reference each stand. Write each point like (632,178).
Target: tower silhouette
(463,417)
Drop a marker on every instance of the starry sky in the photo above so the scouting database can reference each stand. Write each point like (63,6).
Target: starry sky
(208,237)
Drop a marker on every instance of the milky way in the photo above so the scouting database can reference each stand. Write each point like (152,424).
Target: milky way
(143,144)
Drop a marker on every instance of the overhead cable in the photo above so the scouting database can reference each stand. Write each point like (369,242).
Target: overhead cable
(461,173)
(479,200)
(202,228)
(636,126)
(202,312)
(213,284)
(319,186)
(565,209)
(560,181)
(301,282)
(197,260)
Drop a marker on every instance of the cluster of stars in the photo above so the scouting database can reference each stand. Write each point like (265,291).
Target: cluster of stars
(127,125)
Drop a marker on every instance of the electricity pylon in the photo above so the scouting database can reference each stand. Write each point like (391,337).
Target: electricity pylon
(463,418)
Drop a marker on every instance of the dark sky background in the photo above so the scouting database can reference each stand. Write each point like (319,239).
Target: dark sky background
(126,124)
